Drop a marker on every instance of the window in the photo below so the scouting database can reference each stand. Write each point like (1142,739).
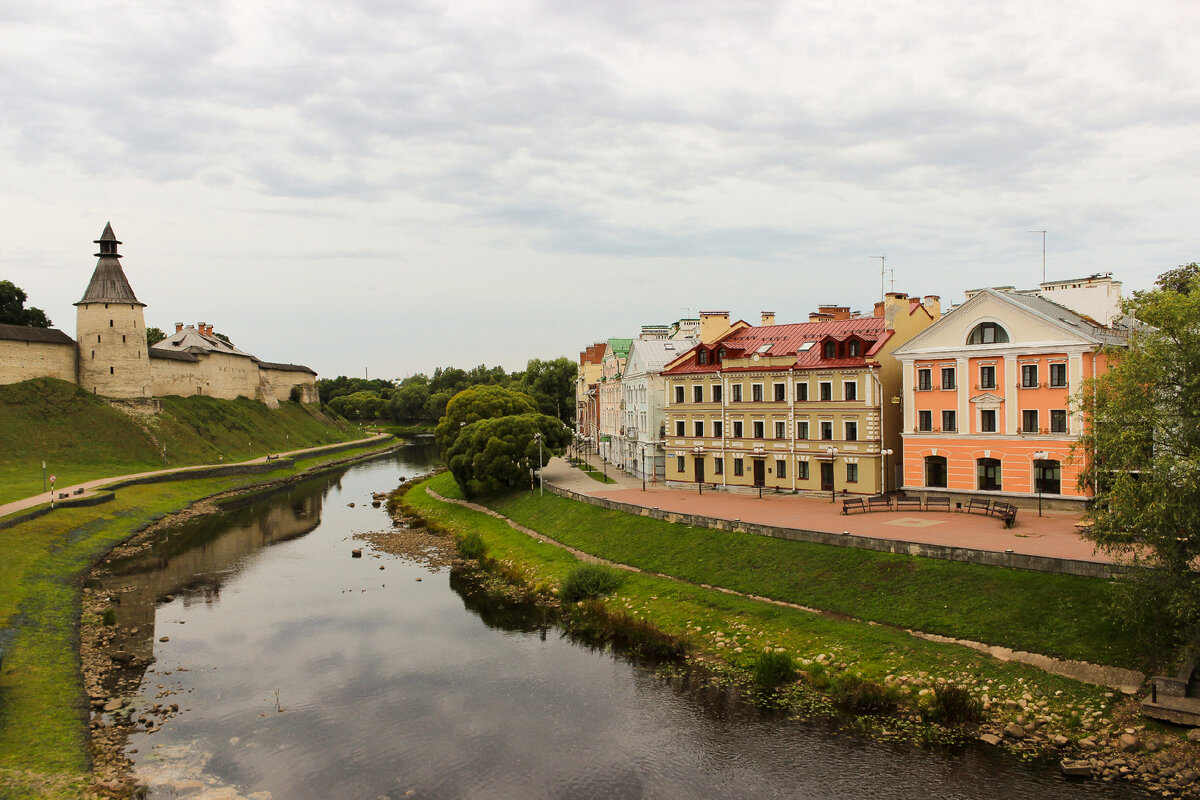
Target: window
(737,466)
(1058,375)
(830,349)
(122,338)
(780,468)
(1029,379)
(759,427)
(949,422)
(935,471)
(826,391)
(987,377)
(702,357)
(737,393)
(110,323)
(718,428)
(1058,420)
(850,390)
(679,427)
(827,431)
(679,393)
(698,393)
(721,354)
(1029,421)
(948,378)
(737,429)
(780,392)
(987,333)
(987,474)
(110,370)
(924,420)
(1047,477)
(801,392)
(780,429)
(716,392)
(802,470)
(801,430)
(924,380)
(756,393)
(718,465)
(851,431)
(679,463)
(852,473)
(699,427)
(852,349)
(987,420)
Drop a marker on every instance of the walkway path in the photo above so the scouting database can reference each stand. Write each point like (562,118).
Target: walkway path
(1052,535)
(90,487)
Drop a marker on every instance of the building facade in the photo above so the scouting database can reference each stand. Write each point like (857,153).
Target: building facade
(643,405)
(612,367)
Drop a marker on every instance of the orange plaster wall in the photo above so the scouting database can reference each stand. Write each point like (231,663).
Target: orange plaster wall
(1015,455)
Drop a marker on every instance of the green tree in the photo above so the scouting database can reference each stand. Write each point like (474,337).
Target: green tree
(154,336)
(408,402)
(1143,439)
(13,310)
(435,407)
(497,453)
(1180,279)
(476,403)
(551,384)
(360,405)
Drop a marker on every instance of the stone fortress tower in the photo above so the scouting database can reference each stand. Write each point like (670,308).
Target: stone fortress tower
(110,330)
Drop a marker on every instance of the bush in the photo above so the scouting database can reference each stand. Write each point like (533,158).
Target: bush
(952,705)
(109,617)
(772,669)
(856,695)
(589,580)
(294,394)
(471,545)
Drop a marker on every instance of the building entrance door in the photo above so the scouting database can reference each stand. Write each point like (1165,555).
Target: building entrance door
(826,476)
(699,469)
(760,472)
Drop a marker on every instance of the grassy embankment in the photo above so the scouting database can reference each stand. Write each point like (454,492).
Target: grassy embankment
(43,741)
(1043,613)
(594,474)
(82,438)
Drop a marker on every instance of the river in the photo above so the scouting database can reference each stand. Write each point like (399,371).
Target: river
(301,672)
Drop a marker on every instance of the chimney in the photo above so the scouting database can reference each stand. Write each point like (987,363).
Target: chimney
(933,304)
(768,318)
(817,316)
(178,327)
(834,312)
(712,325)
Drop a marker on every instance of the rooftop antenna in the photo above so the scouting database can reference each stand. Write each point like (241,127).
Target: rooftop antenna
(882,275)
(1043,233)
(892,273)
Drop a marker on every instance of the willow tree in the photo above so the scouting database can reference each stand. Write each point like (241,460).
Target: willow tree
(1143,442)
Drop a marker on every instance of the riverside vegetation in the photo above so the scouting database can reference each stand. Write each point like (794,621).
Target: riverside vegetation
(860,664)
(45,751)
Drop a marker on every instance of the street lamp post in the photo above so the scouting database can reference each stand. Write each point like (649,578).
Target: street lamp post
(541,478)
(885,454)
(643,468)
(832,453)
(1040,455)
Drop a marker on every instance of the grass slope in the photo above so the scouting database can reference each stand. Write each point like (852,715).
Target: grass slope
(81,437)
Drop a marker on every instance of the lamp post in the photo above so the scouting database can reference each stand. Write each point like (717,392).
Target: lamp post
(1040,455)
(832,453)
(643,468)
(541,478)
(885,454)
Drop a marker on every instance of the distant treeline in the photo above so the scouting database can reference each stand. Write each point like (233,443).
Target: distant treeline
(423,397)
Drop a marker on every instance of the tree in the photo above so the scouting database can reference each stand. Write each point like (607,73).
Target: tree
(551,384)
(13,311)
(360,405)
(435,407)
(1143,438)
(408,402)
(154,336)
(476,403)
(497,453)
(1180,279)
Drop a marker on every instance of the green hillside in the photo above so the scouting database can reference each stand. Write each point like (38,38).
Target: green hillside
(81,437)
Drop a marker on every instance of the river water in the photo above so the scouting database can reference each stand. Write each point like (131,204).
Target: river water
(301,672)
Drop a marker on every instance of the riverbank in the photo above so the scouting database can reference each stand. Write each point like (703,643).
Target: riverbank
(1024,710)
(45,748)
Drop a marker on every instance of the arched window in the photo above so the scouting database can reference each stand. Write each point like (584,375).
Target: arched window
(987,473)
(987,333)
(935,471)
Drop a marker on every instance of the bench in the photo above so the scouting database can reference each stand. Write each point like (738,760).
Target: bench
(908,502)
(1005,511)
(882,502)
(853,503)
(942,503)
(980,504)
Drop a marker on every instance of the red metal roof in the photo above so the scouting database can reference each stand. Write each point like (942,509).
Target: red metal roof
(787,340)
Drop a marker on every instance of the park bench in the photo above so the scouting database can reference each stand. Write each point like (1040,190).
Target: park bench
(980,504)
(1005,511)
(879,502)
(853,504)
(908,502)
(937,503)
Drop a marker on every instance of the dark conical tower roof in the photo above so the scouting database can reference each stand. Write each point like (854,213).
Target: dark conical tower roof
(108,284)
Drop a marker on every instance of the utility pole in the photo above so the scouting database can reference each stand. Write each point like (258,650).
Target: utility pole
(1043,233)
(882,275)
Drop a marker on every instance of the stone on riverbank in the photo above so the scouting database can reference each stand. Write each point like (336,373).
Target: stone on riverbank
(1075,769)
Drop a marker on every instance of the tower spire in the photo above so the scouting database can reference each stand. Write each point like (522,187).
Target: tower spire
(108,283)
(108,242)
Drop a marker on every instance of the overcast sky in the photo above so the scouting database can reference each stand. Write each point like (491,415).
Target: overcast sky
(391,186)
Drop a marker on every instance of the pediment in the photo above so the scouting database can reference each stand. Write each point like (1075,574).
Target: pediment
(987,399)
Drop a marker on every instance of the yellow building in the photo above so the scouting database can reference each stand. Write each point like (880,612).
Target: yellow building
(806,407)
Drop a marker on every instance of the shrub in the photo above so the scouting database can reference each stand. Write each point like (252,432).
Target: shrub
(772,669)
(471,545)
(857,695)
(109,617)
(952,705)
(589,580)
(294,394)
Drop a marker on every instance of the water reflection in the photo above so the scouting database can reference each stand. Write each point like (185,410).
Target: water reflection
(309,674)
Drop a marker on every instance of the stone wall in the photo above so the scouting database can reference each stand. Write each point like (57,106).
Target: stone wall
(21,361)
(284,380)
(215,375)
(113,358)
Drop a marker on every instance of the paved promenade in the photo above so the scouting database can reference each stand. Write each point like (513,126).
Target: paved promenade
(90,487)
(1052,535)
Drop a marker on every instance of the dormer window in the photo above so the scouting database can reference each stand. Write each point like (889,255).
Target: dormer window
(721,354)
(852,349)
(830,349)
(702,357)
(988,333)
